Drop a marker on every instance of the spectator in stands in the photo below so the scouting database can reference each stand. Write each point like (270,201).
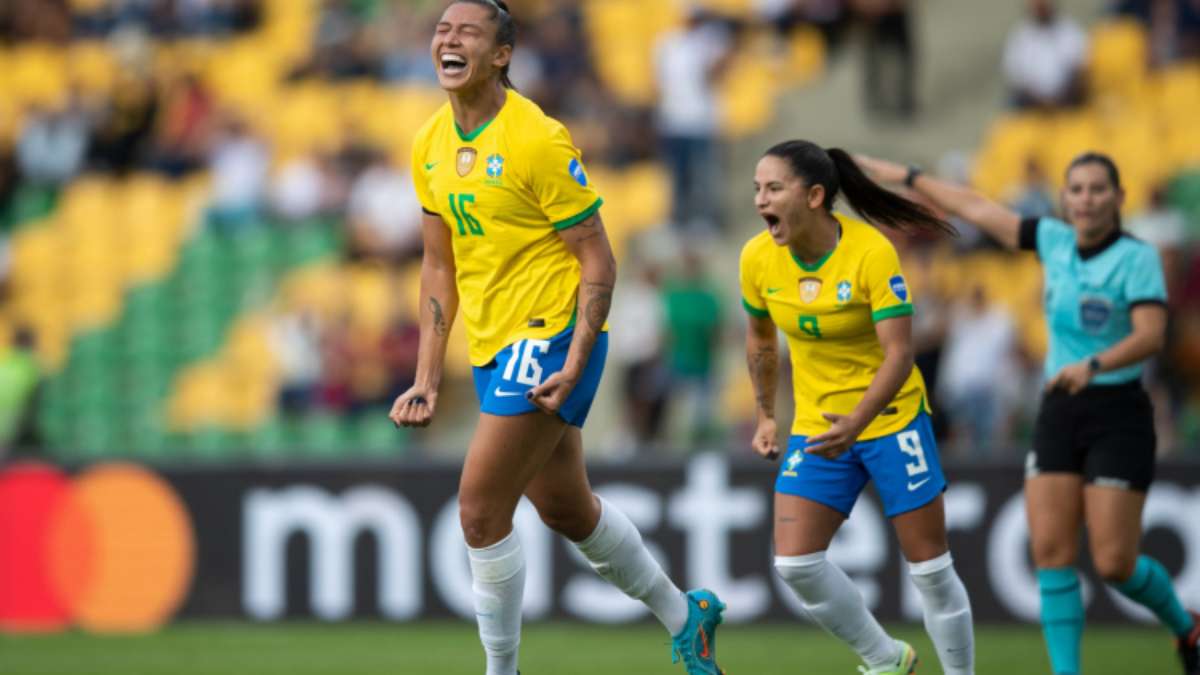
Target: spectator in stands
(184,126)
(1035,197)
(1044,58)
(890,75)
(40,20)
(636,347)
(694,326)
(19,380)
(307,186)
(980,343)
(53,143)
(125,124)
(384,215)
(238,162)
(831,17)
(1173,25)
(689,63)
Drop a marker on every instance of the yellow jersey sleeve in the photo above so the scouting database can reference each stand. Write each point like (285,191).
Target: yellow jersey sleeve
(886,286)
(748,274)
(560,182)
(420,173)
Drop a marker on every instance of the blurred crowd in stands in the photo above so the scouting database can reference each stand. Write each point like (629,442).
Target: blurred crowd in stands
(676,324)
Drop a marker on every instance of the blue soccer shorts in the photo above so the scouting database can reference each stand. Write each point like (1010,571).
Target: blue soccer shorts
(904,466)
(502,384)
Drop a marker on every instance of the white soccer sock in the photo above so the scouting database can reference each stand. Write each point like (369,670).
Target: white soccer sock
(947,613)
(834,602)
(615,550)
(498,573)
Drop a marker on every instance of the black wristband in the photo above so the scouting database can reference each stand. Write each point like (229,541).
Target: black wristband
(911,176)
(1094,364)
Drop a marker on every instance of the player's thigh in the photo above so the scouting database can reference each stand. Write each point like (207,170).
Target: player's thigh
(922,531)
(803,526)
(561,492)
(1114,527)
(1054,509)
(505,454)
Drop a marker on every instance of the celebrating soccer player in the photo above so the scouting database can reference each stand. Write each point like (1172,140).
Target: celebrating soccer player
(512,230)
(833,285)
(1093,447)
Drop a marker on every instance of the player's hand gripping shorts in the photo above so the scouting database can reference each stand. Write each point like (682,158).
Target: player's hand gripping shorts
(904,466)
(502,384)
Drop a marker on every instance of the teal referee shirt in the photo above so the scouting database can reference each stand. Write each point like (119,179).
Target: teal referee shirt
(1090,292)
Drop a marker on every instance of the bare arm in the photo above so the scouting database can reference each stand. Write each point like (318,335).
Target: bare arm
(895,336)
(762,359)
(439,305)
(588,242)
(1000,222)
(1146,340)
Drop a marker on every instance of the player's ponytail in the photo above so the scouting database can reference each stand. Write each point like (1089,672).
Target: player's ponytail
(836,171)
(506,29)
(880,205)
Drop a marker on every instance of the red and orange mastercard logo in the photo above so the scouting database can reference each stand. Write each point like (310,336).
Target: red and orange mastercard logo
(109,550)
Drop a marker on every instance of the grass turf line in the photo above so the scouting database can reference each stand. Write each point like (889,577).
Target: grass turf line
(200,648)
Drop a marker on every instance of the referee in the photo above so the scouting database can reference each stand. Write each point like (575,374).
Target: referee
(1093,448)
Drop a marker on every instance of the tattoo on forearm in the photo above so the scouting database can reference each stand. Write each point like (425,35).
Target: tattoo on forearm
(598,302)
(764,366)
(439,317)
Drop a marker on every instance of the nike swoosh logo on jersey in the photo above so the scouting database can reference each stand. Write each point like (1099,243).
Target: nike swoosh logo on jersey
(430,166)
(500,393)
(773,291)
(913,486)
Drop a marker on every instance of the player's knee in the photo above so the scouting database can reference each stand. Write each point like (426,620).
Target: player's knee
(572,518)
(1114,567)
(482,523)
(1052,552)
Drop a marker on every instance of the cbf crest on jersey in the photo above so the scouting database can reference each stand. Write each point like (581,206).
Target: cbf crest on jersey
(466,161)
(495,166)
(810,288)
(844,290)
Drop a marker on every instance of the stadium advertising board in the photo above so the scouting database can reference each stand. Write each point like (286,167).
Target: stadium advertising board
(120,548)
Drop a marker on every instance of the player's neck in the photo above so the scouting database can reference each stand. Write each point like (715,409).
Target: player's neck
(476,107)
(1089,240)
(813,243)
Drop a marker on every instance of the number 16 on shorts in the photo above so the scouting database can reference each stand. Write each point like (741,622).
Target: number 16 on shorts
(526,352)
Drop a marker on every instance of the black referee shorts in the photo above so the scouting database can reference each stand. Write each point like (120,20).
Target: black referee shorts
(1104,433)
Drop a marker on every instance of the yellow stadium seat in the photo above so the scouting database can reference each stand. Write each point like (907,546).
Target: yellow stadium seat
(1117,59)
(748,93)
(37,74)
(92,66)
(805,56)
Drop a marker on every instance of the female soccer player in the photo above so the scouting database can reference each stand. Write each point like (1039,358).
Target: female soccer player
(512,230)
(1094,443)
(833,285)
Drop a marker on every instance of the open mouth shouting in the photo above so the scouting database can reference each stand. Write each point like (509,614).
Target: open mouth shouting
(453,65)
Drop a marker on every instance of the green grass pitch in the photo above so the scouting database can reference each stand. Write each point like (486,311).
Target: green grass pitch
(193,648)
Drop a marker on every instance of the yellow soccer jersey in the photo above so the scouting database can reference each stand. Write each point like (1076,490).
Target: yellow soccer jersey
(504,190)
(828,312)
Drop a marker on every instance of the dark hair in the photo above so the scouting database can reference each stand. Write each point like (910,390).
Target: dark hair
(835,170)
(506,29)
(1103,160)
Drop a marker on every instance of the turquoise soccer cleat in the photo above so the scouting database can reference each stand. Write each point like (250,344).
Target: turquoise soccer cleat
(696,644)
